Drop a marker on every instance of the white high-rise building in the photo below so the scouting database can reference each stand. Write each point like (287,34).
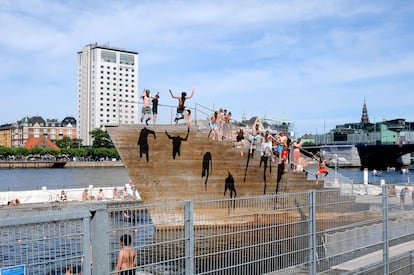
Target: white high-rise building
(107,89)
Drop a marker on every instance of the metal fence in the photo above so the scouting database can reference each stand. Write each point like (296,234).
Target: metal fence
(314,232)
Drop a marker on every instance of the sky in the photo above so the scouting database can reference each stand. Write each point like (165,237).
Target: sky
(313,63)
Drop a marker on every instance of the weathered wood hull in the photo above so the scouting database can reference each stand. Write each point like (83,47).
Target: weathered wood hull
(185,164)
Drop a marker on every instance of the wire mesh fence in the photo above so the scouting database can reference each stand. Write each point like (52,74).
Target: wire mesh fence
(314,232)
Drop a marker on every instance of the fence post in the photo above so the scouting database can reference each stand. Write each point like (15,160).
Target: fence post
(189,236)
(86,245)
(101,262)
(385,255)
(312,231)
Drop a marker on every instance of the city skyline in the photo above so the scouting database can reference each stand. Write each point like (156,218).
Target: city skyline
(311,62)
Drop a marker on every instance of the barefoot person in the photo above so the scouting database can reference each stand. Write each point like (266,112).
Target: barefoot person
(127,257)
(322,169)
(181,105)
(146,108)
(155,107)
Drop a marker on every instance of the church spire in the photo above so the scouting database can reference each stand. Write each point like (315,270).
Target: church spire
(364,116)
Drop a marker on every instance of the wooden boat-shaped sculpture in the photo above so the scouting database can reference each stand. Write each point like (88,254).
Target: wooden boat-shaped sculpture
(176,162)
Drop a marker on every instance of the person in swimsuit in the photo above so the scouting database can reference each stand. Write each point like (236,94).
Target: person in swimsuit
(155,107)
(146,108)
(181,105)
(240,140)
(127,257)
(213,125)
(254,139)
(297,145)
(322,168)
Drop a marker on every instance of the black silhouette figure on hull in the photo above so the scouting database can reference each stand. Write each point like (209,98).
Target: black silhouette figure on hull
(280,172)
(176,141)
(143,142)
(249,156)
(229,184)
(265,159)
(207,167)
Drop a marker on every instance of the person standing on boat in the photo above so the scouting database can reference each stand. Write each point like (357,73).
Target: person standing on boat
(146,108)
(254,139)
(228,126)
(213,125)
(220,124)
(240,140)
(127,257)
(155,107)
(297,145)
(181,105)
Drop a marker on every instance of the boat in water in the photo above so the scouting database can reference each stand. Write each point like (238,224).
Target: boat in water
(176,162)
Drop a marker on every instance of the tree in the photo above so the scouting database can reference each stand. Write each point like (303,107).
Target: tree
(101,139)
(65,142)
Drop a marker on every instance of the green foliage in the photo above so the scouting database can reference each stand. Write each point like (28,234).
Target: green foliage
(21,152)
(6,151)
(308,143)
(66,143)
(101,139)
(35,151)
(92,153)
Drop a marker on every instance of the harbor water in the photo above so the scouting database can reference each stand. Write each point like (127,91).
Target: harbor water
(61,178)
(83,177)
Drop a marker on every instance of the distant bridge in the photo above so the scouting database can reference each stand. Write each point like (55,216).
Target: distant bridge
(381,156)
(375,156)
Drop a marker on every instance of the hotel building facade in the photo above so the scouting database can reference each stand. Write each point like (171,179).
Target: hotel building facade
(107,89)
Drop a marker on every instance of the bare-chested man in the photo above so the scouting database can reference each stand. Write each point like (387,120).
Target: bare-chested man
(146,106)
(127,257)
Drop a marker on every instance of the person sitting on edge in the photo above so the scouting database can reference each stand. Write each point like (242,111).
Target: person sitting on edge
(115,194)
(101,195)
(63,196)
(14,202)
(85,195)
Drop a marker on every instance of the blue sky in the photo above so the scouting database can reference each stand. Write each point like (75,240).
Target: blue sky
(311,62)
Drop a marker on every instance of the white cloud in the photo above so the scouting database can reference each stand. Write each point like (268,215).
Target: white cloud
(313,62)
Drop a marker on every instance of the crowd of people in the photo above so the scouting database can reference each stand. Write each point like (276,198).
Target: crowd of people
(276,145)
(219,124)
(127,193)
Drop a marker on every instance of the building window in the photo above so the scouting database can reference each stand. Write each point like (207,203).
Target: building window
(108,56)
